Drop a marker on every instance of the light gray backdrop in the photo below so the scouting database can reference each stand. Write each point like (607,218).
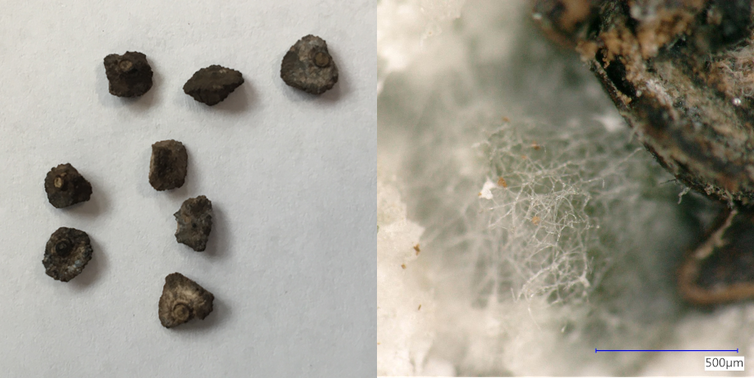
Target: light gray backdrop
(291,258)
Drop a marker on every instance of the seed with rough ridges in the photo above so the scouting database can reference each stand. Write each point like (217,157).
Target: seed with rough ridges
(182,300)
(65,186)
(67,252)
(129,75)
(194,223)
(168,165)
(213,84)
(308,66)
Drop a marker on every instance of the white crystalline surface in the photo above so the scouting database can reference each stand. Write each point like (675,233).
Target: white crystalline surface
(404,26)
(404,307)
(577,246)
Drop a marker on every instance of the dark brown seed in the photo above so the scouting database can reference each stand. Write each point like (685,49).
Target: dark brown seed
(168,166)
(182,300)
(65,186)
(212,84)
(194,223)
(721,269)
(308,66)
(129,74)
(67,253)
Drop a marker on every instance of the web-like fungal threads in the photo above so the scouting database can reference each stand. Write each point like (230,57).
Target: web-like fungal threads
(542,234)
(589,205)
(513,297)
(537,221)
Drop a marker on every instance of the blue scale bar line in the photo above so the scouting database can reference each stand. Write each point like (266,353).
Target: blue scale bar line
(665,350)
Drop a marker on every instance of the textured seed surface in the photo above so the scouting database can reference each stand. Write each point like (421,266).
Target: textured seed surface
(213,84)
(194,223)
(308,66)
(65,186)
(681,74)
(182,300)
(168,165)
(67,253)
(129,74)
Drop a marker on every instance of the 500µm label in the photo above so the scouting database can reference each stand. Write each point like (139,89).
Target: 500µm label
(723,363)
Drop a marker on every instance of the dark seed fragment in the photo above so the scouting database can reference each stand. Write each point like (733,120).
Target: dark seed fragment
(129,74)
(168,166)
(213,84)
(678,71)
(183,299)
(721,269)
(308,66)
(65,186)
(67,253)
(194,223)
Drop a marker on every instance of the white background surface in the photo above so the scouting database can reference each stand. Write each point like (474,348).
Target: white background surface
(291,178)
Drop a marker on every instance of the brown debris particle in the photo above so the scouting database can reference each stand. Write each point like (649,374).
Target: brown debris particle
(182,300)
(416,248)
(420,307)
(129,75)
(67,252)
(535,220)
(213,84)
(194,223)
(501,182)
(168,166)
(65,186)
(535,145)
(403,266)
(308,66)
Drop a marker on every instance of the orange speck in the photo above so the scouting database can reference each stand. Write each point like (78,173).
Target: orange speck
(403,266)
(506,119)
(535,220)
(501,182)
(535,145)
(416,248)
